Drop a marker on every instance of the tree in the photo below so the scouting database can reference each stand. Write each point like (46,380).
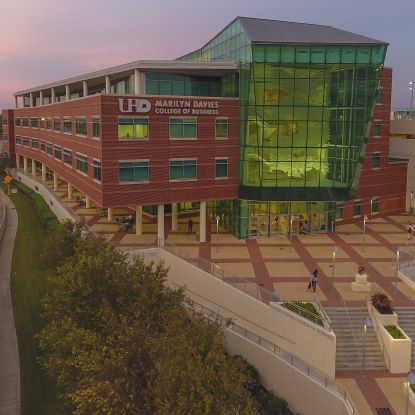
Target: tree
(119,341)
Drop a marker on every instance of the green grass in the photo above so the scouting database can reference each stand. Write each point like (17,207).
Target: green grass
(395,332)
(306,310)
(38,392)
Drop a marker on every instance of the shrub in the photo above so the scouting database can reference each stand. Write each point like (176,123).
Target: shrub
(394,332)
(382,303)
(306,310)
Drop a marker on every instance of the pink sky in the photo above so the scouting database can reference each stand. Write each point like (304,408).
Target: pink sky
(48,40)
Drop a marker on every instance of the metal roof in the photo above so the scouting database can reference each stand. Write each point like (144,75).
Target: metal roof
(278,31)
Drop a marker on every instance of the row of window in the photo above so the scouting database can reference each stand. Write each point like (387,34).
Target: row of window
(357,207)
(56,123)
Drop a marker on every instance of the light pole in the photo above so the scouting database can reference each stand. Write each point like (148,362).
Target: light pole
(411,88)
(411,196)
(410,380)
(333,265)
(291,228)
(398,251)
(217,232)
(366,323)
(371,209)
(364,232)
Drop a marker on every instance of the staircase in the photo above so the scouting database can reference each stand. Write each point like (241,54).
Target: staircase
(349,346)
(406,320)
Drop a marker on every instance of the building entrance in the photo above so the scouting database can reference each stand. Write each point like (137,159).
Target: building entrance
(268,225)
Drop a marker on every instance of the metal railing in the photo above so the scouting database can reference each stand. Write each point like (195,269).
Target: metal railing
(351,326)
(251,288)
(290,359)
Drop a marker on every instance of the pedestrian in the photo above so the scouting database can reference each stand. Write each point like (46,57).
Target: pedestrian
(410,230)
(313,281)
(190,226)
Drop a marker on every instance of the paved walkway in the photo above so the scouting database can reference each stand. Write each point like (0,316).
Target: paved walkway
(9,354)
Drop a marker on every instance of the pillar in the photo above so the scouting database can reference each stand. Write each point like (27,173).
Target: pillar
(174,217)
(70,191)
(17,161)
(107,85)
(25,165)
(67,92)
(137,82)
(16,101)
(33,168)
(138,220)
(87,202)
(55,181)
(202,222)
(43,173)
(52,95)
(160,225)
(110,215)
(84,88)
(31,99)
(41,98)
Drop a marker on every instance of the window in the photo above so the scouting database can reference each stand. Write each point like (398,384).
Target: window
(42,122)
(183,127)
(67,125)
(67,157)
(42,146)
(221,128)
(17,122)
(375,204)
(6,137)
(375,160)
(133,171)
(96,127)
(377,129)
(35,143)
(96,167)
(82,163)
(132,128)
(25,122)
(58,153)
(379,96)
(49,148)
(357,207)
(57,124)
(221,167)
(339,211)
(48,123)
(26,141)
(34,122)
(80,126)
(18,139)
(183,169)
(4,120)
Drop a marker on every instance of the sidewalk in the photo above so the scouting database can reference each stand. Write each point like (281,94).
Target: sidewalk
(9,354)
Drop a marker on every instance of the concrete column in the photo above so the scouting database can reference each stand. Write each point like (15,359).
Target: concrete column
(55,181)
(87,202)
(25,165)
(70,191)
(202,222)
(68,92)
(107,85)
(41,98)
(31,99)
(52,95)
(138,220)
(17,161)
(160,225)
(137,82)
(43,173)
(16,102)
(110,215)
(85,88)
(33,168)
(174,226)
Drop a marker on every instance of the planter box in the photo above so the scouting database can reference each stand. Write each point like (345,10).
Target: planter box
(398,350)
(411,393)
(382,319)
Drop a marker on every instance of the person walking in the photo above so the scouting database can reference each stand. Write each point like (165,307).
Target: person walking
(410,230)
(313,281)
(190,226)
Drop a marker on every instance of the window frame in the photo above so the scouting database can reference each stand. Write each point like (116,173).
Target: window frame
(86,163)
(376,157)
(134,139)
(94,118)
(377,123)
(36,119)
(55,150)
(357,202)
(227,168)
(66,152)
(134,181)
(183,179)
(93,170)
(217,137)
(182,137)
(76,126)
(65,120)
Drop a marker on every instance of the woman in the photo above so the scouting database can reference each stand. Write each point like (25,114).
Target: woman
(313,280)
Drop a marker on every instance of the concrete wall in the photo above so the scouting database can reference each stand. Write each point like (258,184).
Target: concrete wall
(54,203)
(313,344)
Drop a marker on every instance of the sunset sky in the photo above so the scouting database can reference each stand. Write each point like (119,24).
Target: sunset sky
(48,40)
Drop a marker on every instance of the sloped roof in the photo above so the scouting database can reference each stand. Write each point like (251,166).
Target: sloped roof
(278,31)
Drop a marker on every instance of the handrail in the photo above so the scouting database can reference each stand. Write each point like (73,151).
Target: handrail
(351,327)
(294,361)
(248,287)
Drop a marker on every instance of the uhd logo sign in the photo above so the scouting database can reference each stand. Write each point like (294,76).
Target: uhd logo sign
(134,105)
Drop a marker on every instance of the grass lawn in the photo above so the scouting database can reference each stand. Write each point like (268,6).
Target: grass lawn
(28,286)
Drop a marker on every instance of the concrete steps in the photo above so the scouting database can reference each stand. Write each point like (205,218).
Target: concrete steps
(406,320)
(350,341)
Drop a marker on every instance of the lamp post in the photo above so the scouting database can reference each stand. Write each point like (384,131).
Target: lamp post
(410,380)
(411,196)
(217,232)
(333,265)
(371,209)
(364,232)
(291,228)
(398,251)
(366,323)
(411,88)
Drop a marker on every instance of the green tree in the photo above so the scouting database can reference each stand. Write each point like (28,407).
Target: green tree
(119,341)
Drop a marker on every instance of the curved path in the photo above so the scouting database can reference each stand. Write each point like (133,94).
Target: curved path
(9,353)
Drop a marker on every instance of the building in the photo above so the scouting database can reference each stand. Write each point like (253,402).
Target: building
(265,127)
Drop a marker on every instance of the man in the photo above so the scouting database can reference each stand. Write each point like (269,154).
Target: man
(190,226)
(409,229)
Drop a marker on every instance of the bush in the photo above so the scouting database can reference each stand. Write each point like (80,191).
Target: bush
(382,303)
(394,332)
